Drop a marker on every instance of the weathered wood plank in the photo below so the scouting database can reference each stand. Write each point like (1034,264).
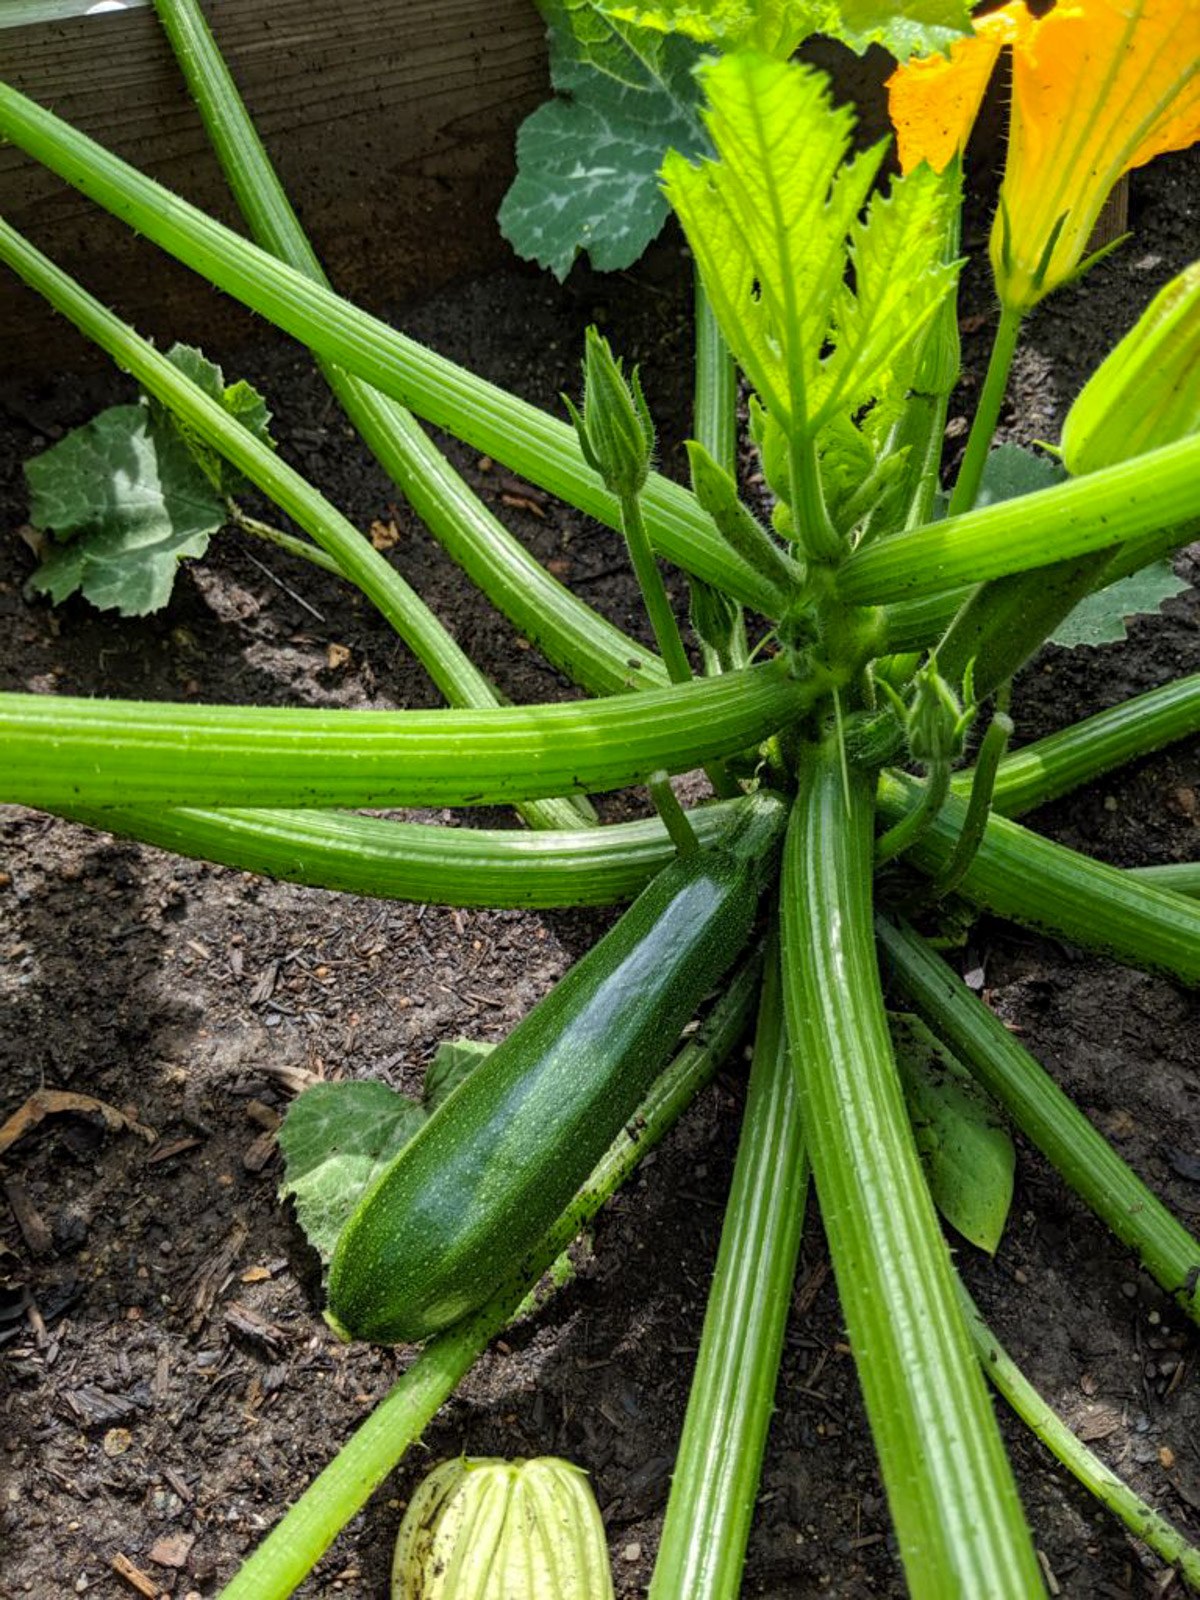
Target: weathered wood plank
(391,122)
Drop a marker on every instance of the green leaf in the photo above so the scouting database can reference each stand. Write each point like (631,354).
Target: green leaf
(905,27)
(775,221)
(453,1060)
(337,1137)
(967,1152)
(1012,471)
(588,161)
(1100,618)
(241,400)
(126,502)
(773,26)
(911,27)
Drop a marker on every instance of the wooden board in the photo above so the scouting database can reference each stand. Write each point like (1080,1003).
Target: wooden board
(391,122)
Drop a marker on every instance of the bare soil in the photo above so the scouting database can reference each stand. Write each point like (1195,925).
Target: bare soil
(171,1387)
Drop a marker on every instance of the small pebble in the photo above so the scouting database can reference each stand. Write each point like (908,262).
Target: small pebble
(632,1552)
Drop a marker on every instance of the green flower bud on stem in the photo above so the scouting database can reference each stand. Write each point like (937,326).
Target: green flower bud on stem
(480,1528)
(1146,392)
(615,432)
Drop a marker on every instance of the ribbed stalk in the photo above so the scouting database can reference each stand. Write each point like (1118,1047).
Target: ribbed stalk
(1018,874)
(1046,1116)
(714,401)
(418,861)
(953,1500)
(567,632)
(447,664)
(60,751)
(526,439)
(1181,877)
(1063,761)
(291,1551)
(354,557)
(1104,509)
(1112,1492)
(970,474)
(715,1482)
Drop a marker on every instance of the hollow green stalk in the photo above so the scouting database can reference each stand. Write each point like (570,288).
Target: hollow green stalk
(672,815)
(1112,1492)
(526,439)
(1047,1117)
(950,1488)
(904,833)
(715,1482)
(307,1530)
(987,414)
(979,805)
(1063,761)
(1105,509)
(714,424)
(654,593)
(1180,877)
(418,861)
(567,632)
(1032,881)
(61,751)
(354,558)
(714,400)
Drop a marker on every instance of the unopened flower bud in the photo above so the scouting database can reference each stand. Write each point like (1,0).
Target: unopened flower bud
(935,722)
(1146,392)
(486,1529)
(615,432)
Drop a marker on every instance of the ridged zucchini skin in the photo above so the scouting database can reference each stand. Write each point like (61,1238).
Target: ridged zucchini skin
(463,1203)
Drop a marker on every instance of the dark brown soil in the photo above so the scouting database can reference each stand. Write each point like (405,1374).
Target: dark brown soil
(177,1382)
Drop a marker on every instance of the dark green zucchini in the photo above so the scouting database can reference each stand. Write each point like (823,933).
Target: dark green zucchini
(461,1206)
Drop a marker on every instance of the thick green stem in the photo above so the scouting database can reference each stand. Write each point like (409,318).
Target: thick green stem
(715,1482)
(526,439)
(714,402)
(1045,1115)
(447,664)
(979,805)
(1063,761)
(568,633)
(951,1492)
(654,593)
(1180,877)
(291,1551)
(1020,875)
(301,548)
(970,474)
(1112,1492)
(1148,493)
(1004,622)
(903,834)
(672,815)
(419,861)
(714,424)
(61,751)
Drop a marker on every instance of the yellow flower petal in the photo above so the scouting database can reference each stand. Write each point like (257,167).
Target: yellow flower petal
(934,100)
(1099,86)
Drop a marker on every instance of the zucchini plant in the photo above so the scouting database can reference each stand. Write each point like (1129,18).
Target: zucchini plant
(889,622)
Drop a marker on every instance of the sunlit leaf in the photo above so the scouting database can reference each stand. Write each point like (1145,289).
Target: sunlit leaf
(774,223)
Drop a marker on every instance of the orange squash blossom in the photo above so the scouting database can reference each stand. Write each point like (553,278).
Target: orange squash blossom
(1099,86)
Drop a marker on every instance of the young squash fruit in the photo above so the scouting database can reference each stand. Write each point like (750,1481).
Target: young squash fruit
(466,1200)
